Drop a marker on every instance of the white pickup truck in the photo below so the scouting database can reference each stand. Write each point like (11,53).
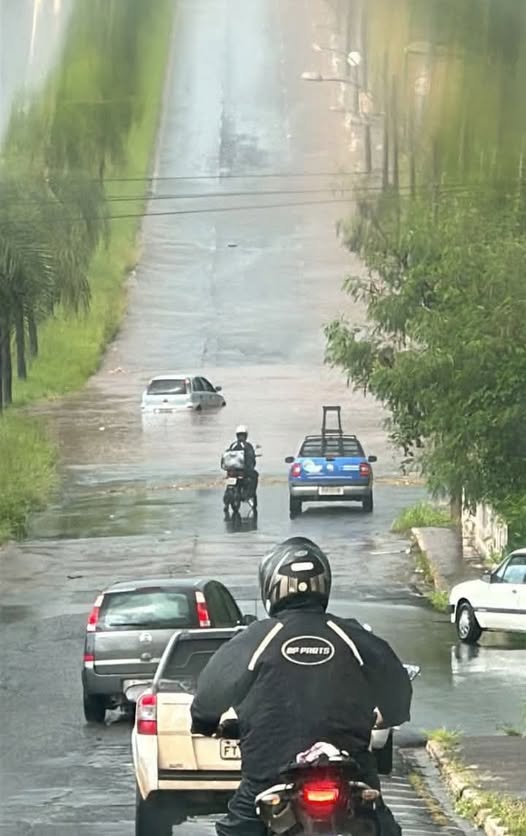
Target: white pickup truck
(178,773)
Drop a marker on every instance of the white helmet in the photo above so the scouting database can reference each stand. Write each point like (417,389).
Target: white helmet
(242,430)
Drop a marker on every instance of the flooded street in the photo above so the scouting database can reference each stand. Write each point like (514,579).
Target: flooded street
(234,284)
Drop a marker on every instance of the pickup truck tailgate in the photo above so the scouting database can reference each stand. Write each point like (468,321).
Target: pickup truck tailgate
(335,468)
(179,749)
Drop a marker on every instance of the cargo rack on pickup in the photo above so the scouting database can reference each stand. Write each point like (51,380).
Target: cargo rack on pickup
(332,432)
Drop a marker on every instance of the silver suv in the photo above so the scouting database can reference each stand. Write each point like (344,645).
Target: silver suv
(130,625)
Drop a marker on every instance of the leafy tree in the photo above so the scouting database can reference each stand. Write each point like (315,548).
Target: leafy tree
(58,150)
(446,346)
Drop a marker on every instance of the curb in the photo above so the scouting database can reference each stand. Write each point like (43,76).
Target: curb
(439,582)
(462,790)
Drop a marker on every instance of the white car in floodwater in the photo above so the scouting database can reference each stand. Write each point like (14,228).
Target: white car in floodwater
(168,393)
(497,601)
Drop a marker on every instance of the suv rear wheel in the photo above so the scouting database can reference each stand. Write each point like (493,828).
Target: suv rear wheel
(368,503)
(94,708)
(150,818)
(294,508)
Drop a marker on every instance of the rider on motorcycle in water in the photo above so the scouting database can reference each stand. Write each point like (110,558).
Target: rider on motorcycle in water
(285,705)
(242,443)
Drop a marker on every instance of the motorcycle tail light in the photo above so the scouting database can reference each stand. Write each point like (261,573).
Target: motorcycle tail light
(321,798)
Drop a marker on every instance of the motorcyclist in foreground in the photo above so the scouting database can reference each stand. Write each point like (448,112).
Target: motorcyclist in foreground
(300,677)
(242,443)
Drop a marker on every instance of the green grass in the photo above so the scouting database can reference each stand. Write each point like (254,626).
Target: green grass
(27,472)
(509,812)
(71,347)
(419,516)
(447,738)
(439,600)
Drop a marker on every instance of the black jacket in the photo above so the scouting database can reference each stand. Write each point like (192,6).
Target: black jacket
(250,453)
(299,678)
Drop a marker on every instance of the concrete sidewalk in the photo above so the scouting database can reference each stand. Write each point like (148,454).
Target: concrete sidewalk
(481,772)
(443,549)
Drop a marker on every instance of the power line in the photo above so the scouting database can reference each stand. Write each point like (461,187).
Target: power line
(450,188)
(202,211)
(216,209)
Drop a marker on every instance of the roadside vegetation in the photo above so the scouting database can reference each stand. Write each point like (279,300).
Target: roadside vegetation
(73,172)
(420,515)
(443,239)
(473,802)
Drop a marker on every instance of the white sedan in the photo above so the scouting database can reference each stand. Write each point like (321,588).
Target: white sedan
(495,602)
(168,393)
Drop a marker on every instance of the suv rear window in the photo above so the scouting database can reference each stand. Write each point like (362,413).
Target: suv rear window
(170,386)
(184,666)
(146,609)
(348,447)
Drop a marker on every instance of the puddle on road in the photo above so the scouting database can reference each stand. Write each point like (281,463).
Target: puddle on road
(11,613)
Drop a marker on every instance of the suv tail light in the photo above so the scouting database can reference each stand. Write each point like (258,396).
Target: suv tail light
(203,615)
(365,469)
(320,798)
(147,714)
(93,617)
(295,470)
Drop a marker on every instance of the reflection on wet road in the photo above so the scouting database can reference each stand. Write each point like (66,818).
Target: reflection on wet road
(142,496)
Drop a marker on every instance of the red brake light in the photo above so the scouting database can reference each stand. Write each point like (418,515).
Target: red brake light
(365,469)
(88,657)
(320,798)
(295,470)
(147,714)
(93,617)
(203,615)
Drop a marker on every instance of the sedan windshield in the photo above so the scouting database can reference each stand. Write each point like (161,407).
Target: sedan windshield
(159,608)
(169,386)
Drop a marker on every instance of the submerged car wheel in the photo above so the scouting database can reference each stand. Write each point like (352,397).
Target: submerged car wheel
(94,708)
(294,508)
(468,628)
(368,503)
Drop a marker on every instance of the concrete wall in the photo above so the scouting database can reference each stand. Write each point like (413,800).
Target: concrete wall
(483,531)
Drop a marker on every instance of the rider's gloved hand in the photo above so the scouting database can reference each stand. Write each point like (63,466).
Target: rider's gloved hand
(229,728)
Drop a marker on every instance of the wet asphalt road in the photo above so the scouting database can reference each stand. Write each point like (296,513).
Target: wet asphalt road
(142,495)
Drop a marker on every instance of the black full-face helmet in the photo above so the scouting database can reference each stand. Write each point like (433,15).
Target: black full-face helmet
(293,569)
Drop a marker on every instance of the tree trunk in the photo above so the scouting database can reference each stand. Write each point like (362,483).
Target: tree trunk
(394,122)
(412,150)
(1,373)
(20,337)
(385,166)
(455,507)
(32,334)
(7,370)
(368,148)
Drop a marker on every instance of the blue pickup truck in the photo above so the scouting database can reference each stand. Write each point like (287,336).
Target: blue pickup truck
(329,467)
